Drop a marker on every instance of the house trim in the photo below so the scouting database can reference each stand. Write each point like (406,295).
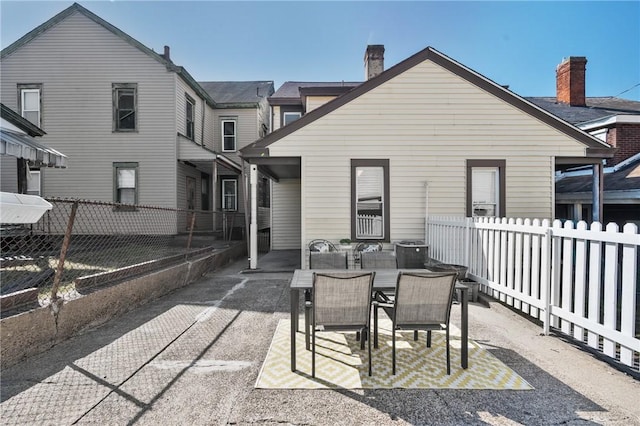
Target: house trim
(502,186)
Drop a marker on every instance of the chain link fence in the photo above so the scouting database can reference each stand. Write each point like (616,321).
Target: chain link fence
(80,245)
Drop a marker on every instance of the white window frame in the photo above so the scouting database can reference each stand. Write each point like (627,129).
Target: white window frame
(117,167)
(223,192)
(34,182)
(234,135)
(25,89)
(285,122)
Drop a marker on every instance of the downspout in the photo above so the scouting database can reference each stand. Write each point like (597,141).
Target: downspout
(253,231)
(597,192)
(204,110)
(246,210)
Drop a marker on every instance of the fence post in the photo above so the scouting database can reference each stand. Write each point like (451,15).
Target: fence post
(467,242)
(548,277)
(63,252)
(193,222)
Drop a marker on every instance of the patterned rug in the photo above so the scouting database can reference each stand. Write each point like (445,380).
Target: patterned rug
(340,363)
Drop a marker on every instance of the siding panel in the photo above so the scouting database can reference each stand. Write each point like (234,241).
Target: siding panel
(285,228)
(77,61)
(427,122)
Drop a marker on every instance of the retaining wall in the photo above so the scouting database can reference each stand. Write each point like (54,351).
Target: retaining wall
(37,330)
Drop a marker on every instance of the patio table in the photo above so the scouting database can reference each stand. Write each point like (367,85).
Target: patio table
(385,280)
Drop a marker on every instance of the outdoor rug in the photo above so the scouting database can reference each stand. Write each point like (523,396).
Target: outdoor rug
(341,364)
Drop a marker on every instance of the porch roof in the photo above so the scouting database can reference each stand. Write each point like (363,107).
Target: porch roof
(21,145)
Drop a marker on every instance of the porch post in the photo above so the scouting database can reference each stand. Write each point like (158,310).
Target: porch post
(253,230)
(596,192)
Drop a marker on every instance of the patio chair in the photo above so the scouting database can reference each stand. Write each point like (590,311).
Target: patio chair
(422,302)
(378,260)
(365,247)
(321,246)
(341,302)
(321,260)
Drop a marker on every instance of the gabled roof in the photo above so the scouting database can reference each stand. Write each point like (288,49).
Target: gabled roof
(76,8)
(291,92)
(595,108)
(595,147)
(240,93)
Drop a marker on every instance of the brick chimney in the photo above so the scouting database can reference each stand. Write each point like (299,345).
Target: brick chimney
(373,60)
(570,81)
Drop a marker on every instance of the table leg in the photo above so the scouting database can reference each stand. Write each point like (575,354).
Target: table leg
(295,302)
(464,352)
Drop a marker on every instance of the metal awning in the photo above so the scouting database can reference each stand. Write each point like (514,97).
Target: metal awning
(203,158)
(21,145)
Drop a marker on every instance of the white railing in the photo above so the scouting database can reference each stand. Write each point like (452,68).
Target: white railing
(581,280)
(369,226)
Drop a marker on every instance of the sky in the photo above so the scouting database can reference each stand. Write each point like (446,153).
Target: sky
(515,43)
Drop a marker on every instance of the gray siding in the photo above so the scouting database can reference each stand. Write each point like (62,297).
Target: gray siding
(8,173)
(77,61)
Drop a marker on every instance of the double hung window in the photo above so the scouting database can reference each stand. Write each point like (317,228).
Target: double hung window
(228,135)
(125,183)
(125,103)
(370,199)
(485,188)
(30,98)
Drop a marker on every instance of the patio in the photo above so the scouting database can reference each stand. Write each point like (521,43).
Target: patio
(193,357)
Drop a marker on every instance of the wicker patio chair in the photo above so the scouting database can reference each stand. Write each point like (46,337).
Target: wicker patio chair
(341,302)
(422,302)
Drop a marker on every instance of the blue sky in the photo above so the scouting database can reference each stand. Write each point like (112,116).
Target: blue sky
(511,42)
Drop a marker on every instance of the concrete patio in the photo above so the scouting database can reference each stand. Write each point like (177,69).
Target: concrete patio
(192,357)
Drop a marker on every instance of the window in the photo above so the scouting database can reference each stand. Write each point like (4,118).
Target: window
(125,102)
(125,183)
(370,200)
(486,188)
(290,117)
(205,191)
(30,102)
(191,193)
(229,194)
(33,182)
(190,116)
(228,135)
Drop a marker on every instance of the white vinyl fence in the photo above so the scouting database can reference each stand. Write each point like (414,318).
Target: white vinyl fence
(581,280)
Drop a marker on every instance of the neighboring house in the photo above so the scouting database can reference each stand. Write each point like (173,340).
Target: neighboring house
(294,99)
(22,156)
(242,116)
(138,128)
(428,136)
(611,119)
